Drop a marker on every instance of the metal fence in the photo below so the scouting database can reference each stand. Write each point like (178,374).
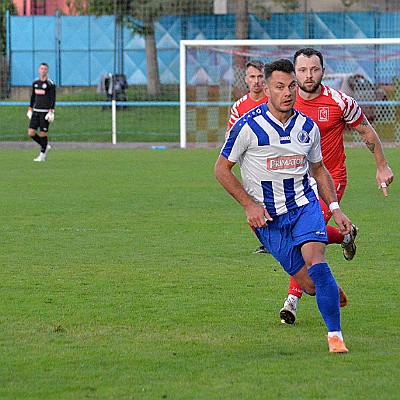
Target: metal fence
(80,49)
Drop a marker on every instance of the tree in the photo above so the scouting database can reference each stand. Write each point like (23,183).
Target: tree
(140,16)
(243,8)
(5,5)
(288,5)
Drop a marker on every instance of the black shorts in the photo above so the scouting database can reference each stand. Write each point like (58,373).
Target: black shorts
(38,121)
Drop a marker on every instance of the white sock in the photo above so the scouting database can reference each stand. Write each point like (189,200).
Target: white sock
(292,297)
(336,333)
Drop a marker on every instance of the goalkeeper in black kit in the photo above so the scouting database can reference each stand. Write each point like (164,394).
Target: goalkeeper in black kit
(41,110)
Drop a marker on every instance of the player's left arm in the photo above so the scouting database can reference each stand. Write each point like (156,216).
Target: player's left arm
(326,191)
(53,97)
(52,100)
(384,174)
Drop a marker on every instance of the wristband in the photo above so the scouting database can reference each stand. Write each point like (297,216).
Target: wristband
(333,206)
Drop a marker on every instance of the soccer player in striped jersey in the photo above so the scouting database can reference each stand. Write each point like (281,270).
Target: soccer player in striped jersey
(254,79)
(41,110)
(332,110)
(276,146)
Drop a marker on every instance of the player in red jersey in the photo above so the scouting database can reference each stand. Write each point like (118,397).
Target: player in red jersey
(255,81)
(332,110)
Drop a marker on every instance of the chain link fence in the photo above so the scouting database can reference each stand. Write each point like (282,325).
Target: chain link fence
(144,47)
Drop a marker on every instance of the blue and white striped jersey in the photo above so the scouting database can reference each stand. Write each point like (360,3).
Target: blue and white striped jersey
(273,158)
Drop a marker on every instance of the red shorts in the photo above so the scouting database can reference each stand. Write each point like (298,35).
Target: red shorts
(339,188)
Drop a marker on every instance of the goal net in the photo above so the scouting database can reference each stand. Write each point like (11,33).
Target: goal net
(212,79)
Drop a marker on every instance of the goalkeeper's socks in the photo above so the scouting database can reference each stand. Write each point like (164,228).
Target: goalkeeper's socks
(44,144)
(37,139)
(327,295)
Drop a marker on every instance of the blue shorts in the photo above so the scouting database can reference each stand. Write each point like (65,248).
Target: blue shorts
(284,236)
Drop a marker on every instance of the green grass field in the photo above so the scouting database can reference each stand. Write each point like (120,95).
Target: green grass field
(94,123)
(129,274)
(150,123)
(88,123)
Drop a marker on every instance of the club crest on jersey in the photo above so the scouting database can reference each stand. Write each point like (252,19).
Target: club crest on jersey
(303,137)
(285,162)
(323,114)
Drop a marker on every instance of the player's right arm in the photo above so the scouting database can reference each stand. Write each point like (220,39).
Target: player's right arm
(33,96)
(31,102)
(256,214)
(233,117)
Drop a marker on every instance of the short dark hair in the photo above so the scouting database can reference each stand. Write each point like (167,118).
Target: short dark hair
(308,52)
(282,65)
(45,64)
(256,64)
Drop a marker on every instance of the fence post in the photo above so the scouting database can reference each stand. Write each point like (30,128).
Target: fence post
(4,57)
(58,48)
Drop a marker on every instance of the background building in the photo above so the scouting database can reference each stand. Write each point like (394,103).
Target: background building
(41,7)
(50,7)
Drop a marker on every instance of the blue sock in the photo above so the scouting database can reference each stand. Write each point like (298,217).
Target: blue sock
(327,295)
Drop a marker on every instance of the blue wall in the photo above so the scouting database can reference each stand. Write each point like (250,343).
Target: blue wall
(80,49)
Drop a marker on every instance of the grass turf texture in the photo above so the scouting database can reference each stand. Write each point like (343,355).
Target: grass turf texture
(129,274)
(83,123)
(87,123)
(134,123)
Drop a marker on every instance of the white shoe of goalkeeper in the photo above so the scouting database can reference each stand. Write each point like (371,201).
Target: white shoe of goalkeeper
(40,157)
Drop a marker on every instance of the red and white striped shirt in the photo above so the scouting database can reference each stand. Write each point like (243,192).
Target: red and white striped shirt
(242,106)
(331,111)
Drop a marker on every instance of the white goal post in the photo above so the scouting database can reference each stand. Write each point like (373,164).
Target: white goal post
(212,72)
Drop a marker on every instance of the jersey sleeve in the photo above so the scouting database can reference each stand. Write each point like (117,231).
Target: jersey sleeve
(52,94)
(233,116)
(315,153)
(352,113)
(32,101)
(236,143)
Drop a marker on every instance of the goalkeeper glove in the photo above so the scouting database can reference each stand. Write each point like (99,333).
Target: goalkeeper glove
(29,113)
(50,116)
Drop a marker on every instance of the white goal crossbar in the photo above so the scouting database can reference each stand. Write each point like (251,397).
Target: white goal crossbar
(184,44)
